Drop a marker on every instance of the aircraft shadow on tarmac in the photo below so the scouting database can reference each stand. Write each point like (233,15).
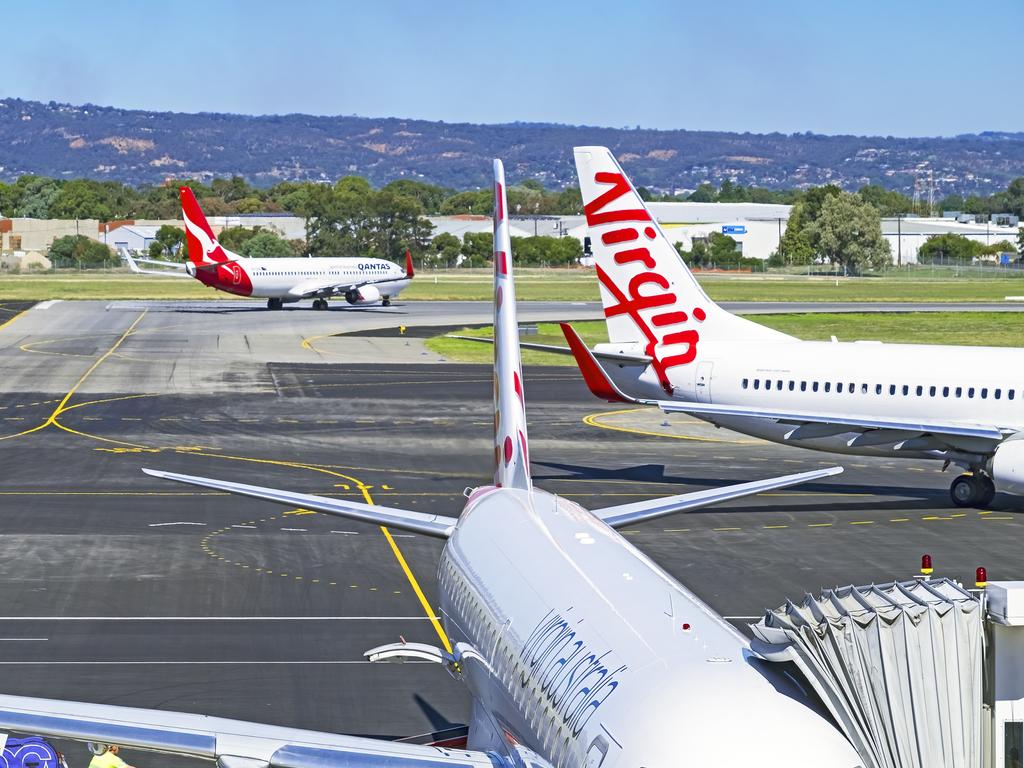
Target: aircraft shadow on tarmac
(259,308)
(887,497)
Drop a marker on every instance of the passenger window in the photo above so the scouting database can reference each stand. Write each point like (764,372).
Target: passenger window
(984,393)
(863,389)
(945,391)
(778,384)
(850,388)
(959,391)
(814,386)
(828,386)
(920,390)
(745,382)
(792,385)
(892,389)
(931,391)
(970,391)
(803,386)
(757,383)
(767,383)
(906,390)
(1009,394)
(997,394)
(878,389)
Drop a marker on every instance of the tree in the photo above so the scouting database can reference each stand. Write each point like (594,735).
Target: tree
(265,244)
(949,248)
(848,232)
(886,202)
(169,242)
(37,194)
(477,248)
(80,249)
(444,249)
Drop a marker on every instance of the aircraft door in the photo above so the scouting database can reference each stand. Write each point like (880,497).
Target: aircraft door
(597,752)
(703,382)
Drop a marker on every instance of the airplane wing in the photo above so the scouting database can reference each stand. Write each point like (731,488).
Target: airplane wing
(641,511)
(437,526)
(312,288)
(229,742)
(917,435)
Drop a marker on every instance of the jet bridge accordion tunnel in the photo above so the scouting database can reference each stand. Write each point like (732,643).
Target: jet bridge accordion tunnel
(917,674)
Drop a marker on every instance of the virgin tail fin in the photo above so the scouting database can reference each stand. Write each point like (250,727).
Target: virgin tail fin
(511,452)
(650,298)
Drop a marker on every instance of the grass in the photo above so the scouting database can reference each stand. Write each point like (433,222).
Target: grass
(997,329)
(534,284)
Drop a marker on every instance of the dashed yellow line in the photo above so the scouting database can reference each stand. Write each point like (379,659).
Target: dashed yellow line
(12,319)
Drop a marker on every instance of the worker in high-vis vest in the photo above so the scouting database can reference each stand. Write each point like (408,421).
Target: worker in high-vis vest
(105,756)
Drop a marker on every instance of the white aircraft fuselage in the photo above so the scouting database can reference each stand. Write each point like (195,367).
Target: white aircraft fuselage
(591,653)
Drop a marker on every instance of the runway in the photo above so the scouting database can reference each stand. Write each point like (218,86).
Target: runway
(117,587)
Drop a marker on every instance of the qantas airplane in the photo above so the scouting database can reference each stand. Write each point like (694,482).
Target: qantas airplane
(279,281)
(577,649)
(671,346)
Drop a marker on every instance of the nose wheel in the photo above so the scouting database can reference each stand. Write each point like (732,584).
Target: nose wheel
(972,490)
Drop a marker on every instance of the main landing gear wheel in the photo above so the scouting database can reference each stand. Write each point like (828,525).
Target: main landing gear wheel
(319,303)
(976,490)
(385,302)
(274,304)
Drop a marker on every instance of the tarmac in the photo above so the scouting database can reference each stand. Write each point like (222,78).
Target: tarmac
(121,588)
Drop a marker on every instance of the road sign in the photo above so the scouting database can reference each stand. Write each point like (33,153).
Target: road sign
(734,229)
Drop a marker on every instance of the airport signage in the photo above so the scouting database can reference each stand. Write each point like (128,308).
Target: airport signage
(734,229)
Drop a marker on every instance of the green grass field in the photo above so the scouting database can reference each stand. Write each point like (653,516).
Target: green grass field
(542,285)
(998,329)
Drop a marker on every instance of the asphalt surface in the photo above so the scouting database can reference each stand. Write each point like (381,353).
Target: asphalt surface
(120,588)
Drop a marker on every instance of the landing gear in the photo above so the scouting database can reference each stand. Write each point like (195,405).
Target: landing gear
(274,303)
(385,302)
(320,304)
(973,490)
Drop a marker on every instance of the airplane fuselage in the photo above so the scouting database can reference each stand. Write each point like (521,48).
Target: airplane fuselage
(289,279)
(965,385)
(590,651)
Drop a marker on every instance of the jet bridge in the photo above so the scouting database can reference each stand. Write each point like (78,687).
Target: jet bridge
(899,666)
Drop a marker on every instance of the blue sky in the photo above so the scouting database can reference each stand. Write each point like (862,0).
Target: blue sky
(891,68)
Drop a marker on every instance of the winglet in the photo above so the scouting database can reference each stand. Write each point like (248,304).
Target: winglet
(131,262)
(599,383)
(409,273)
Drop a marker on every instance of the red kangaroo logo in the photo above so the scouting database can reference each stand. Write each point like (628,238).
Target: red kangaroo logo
(633,250)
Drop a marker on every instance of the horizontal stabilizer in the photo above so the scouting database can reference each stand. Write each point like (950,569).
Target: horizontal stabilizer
(642,511)
(173,270)
(611,357)
(418,522)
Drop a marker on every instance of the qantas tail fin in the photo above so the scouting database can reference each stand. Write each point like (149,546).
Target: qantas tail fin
(511,454)
(203,248)
(409,273)
(650,297)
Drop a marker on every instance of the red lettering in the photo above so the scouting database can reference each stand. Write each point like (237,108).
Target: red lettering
(669,318)
(681,337)
(635,254)
(619,188)
(619,236)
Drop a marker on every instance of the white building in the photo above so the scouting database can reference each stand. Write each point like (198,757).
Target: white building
(907,234)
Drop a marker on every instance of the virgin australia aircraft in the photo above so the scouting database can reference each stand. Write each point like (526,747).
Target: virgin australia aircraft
(673,347)
(576,648)
(279,281)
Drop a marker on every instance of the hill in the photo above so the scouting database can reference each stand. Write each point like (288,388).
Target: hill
(141,147)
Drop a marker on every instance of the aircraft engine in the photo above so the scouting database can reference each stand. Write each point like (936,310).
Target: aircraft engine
(1007,467)
(365,295)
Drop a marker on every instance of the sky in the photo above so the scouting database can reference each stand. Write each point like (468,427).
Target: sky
(895,68)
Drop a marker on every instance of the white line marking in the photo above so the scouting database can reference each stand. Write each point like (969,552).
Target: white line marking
(403,535)
(297,530)
(47,304)
(243,526)
(23,639)
(159,525)
(349,533)
(218,618)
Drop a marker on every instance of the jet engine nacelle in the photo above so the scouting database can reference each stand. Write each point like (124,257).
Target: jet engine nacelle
(365,295)
(1007,467)
(190,269)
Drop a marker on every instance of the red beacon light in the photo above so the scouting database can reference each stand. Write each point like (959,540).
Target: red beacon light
(980,577)
(926,564)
